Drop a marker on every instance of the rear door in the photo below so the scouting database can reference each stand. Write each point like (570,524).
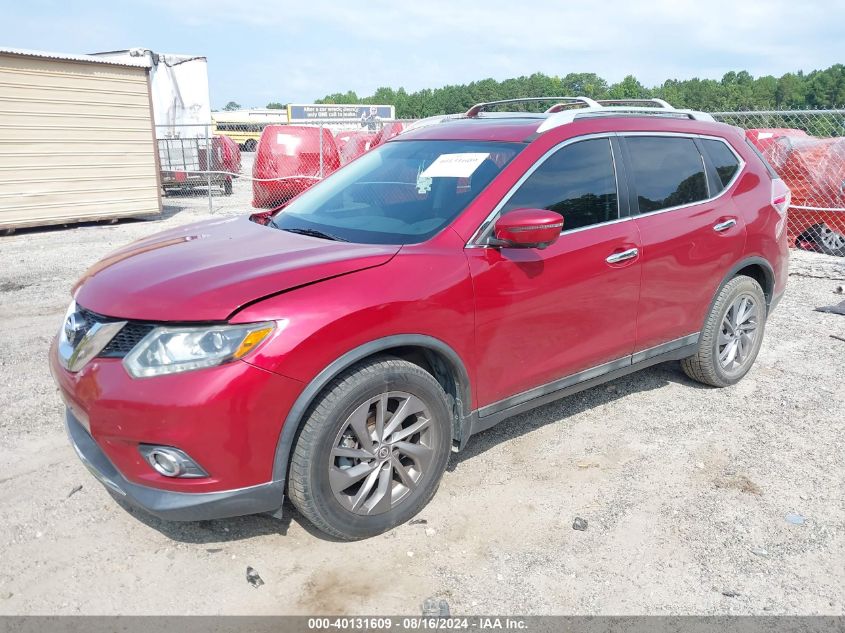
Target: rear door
(691,232)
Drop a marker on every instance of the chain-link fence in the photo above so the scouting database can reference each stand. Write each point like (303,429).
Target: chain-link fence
(807,150)
(265,164)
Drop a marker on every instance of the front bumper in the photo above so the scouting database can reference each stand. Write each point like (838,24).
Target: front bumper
(227,418)
(166,504)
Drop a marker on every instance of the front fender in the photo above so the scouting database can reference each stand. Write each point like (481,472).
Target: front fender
(422,298)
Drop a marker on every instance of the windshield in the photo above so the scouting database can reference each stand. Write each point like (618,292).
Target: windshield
(400,193)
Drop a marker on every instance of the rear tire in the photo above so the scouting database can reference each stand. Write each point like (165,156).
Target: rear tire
(372,450)
(732,335)
(250,145)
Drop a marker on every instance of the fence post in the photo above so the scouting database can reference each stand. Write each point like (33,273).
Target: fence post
(321,151)
(208,165)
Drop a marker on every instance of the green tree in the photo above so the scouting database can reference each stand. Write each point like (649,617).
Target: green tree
(790,92)
(629,88)
(672,91)
(737,90)
(826,88)
(232,105)
(275,105)
(764,93)
(584,85)
(347,97)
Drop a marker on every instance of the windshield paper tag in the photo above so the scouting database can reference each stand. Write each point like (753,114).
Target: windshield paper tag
(454,165)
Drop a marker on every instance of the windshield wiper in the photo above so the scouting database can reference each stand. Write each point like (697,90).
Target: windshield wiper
(316,233)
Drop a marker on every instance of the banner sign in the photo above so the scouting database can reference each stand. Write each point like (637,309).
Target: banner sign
(322,111)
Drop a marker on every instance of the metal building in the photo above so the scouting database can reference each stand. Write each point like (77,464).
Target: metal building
(77,140)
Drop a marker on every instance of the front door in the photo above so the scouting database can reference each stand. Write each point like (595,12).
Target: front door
(542,315)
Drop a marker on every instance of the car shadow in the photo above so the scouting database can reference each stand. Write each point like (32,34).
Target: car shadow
(214,531)
(561,410)
(240,528)
(220,531)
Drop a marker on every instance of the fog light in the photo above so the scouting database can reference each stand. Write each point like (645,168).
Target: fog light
(171,462)
(165,463)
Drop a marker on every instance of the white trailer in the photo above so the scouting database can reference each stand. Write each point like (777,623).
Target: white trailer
(179,88)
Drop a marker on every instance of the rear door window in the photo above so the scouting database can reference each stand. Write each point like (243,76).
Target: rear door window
(668,171)
(724,160)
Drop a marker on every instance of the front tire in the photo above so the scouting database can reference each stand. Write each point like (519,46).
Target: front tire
(372,450)
(732,335)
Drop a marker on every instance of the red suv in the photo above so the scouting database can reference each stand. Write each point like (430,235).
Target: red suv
(338,349)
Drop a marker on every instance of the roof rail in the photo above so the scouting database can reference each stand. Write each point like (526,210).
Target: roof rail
(481,107)
(658,102)
(568,109)
(558,107)
(568,116)
(429,121)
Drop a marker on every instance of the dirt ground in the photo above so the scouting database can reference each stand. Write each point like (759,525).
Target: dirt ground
(687,491)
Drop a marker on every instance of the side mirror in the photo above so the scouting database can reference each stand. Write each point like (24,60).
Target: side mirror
(528,228)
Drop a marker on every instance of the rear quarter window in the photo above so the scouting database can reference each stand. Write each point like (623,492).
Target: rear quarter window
(668,171)
(724,160)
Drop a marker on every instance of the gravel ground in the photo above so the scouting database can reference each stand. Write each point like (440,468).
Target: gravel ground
(686,490)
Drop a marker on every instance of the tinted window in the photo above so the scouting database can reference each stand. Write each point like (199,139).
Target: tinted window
(723,159)
(578,182)
(668,171)
(402,192)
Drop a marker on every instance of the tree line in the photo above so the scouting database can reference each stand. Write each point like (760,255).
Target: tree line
(735,91)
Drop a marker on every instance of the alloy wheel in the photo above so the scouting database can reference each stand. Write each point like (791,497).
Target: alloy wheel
(738,333)
(381,453)
(830,239)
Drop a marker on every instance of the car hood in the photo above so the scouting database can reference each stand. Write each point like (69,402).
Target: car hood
(208,270)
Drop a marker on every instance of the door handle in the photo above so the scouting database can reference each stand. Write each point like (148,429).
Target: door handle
(724,226)
(615,258)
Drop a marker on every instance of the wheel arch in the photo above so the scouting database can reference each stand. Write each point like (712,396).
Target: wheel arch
(755,267)
(758,269)
(432,354)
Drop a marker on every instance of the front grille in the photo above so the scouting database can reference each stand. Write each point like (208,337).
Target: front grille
(128,337)
(123,342)
(88,317)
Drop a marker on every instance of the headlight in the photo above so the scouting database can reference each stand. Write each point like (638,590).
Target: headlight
(168,350)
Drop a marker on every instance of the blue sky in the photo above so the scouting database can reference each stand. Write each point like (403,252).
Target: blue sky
(264,50)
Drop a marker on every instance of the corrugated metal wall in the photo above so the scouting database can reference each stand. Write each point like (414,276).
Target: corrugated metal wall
(76,142)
